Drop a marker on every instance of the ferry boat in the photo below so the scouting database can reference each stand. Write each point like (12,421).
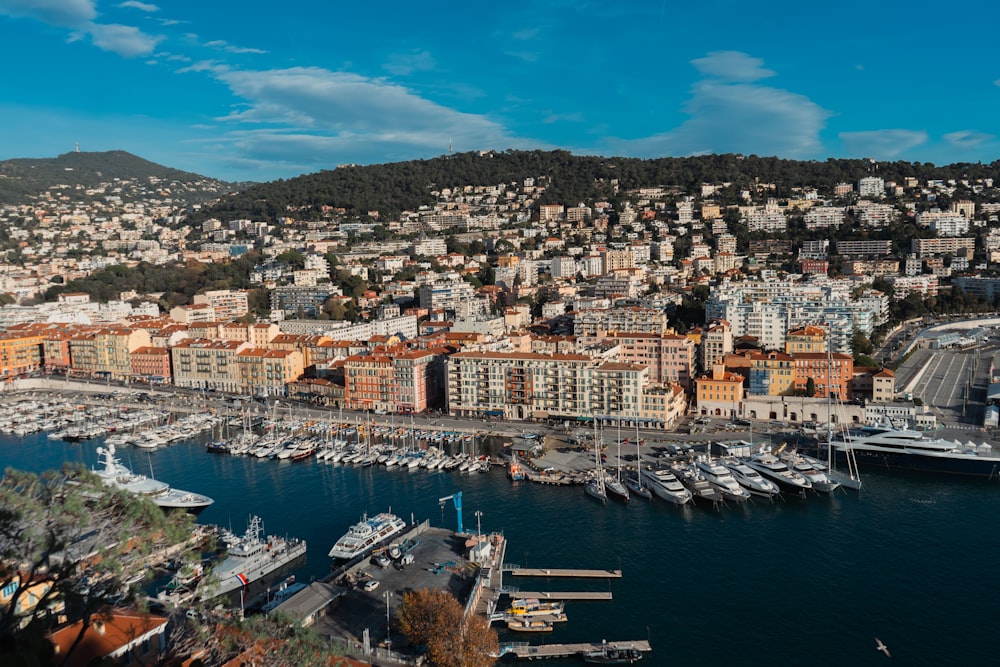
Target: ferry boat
(889,447)
(253,557)
(366,534)
(116,474)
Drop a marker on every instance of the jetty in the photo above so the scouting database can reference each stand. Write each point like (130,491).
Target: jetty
(540,651)
(562,595)
(517,571)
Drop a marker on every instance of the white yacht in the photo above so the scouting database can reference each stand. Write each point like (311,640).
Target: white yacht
(774,469)
(752,480)
(116,474)
(366,534)
(664,484)
(816,476)
(723,480)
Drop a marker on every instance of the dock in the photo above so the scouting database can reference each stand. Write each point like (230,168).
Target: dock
(564,595)
(518,571)
(539,651)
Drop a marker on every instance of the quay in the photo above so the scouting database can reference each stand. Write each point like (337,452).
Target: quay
(562,595)
(539,651)
(517,571)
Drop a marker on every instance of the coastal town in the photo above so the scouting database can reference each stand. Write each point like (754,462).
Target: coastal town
(492,328)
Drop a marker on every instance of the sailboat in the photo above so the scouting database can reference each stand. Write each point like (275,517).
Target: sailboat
(635,484)
(594,486)
(852,478)
(613,483)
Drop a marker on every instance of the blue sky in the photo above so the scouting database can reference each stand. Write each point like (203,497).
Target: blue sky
(256,91)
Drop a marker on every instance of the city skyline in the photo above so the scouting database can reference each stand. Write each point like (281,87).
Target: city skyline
(239,91)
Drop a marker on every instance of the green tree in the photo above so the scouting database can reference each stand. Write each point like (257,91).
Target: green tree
(810,387)
(68,540)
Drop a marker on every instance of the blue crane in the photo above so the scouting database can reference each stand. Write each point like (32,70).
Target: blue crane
(456,499)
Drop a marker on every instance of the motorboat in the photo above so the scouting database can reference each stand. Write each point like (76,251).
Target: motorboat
(774,469)
(367,534)
(116,474)
(723,480)
(752,480)
(815,474)
(666,486)
(535,607)
(529,625)
(612,655)
(700,488)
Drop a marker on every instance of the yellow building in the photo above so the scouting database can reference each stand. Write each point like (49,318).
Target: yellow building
(719,393)
(20,353)
(805,339)
(264,372)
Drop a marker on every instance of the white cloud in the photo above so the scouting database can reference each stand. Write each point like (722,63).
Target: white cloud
(967,138)
(125,40)
(141,6)
(734,66)
(882,144)
(62,13)
(403,64)
(321,117)
(223,45)
(730,114)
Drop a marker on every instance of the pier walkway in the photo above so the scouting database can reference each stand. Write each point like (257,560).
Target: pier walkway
(562,595)
(538,651)
(518,571)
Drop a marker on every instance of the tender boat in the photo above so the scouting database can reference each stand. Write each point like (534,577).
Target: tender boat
(528,625)
(367,534)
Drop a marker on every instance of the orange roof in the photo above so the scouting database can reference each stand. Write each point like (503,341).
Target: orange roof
(106,634)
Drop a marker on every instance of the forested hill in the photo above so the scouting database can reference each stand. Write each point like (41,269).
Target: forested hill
(22,178)
(391,188)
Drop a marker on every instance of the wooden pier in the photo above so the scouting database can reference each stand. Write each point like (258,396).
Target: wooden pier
(539,651)
(563,595)
(517,571)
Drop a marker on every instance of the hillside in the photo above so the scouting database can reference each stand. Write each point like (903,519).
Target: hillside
(391,188)
(24,178)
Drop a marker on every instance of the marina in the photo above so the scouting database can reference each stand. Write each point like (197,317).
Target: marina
(666,551)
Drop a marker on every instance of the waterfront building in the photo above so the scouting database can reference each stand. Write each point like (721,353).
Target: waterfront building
(106,352)
(831,374)
(720,392)
(263,372)
(202,363)
(151,364)
(669,357)
(395,380)
(20,352)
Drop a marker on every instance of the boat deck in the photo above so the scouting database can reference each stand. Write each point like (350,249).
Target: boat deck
(538,651)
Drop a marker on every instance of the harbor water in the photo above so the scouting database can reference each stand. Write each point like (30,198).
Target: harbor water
(911,559)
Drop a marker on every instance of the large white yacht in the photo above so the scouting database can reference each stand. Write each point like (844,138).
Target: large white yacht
(116,474)
(773,468)
(723,480)
(366,534)
(752,480)
(664,484)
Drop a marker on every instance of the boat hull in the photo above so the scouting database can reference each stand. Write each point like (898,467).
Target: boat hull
(965,465)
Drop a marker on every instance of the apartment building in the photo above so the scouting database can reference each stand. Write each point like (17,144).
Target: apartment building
(228,304)
(151,364)
(106,352)
(395,381)
(866,248)
(670,358)
(20,352)
(633,319)
(716,343)
(203,363)
(958,246)
(263,372)
(720,392)
(831,374)
(805,339)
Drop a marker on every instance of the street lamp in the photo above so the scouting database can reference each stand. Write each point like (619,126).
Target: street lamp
(388,627)
(479,527)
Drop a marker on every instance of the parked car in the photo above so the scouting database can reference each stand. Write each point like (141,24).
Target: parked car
(370,585)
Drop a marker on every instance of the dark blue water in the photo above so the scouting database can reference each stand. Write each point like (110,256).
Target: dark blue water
(912,560)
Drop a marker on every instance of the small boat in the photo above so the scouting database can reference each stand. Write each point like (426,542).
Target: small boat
(514,470)
(535,607)
(217,447)
(529,625)
(612,655)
